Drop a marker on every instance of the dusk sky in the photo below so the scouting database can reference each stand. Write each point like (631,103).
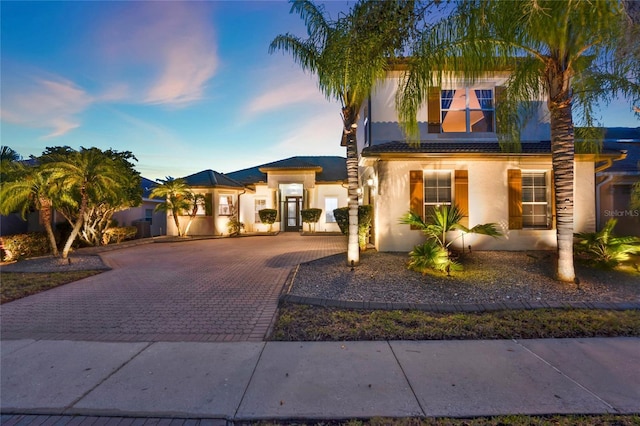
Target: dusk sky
(185,86)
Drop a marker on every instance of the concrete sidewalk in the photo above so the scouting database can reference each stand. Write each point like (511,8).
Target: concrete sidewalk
(321,380)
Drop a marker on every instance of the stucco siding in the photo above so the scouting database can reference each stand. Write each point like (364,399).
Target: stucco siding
(488,202)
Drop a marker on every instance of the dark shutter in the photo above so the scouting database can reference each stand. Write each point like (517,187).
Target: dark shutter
(416,193)
(461,187)
(514,178)
(433,109)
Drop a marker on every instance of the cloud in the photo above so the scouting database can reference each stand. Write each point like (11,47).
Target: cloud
(320,135)
(50,102)
(286,87)
(169,48)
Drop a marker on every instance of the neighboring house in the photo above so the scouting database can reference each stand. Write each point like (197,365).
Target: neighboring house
(291,185)
(459,160)
(144,213)
(614,184)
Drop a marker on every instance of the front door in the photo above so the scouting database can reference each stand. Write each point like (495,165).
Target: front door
(292,219)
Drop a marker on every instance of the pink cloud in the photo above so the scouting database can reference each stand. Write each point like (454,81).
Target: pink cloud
(165,49)
(285,89)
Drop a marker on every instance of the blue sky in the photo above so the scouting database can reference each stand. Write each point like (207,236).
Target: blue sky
(185,86)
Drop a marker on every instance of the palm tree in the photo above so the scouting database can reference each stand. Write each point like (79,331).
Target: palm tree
(30,187)
(178,198)
(435,253)
(89,174)
(570,53)
(348,56)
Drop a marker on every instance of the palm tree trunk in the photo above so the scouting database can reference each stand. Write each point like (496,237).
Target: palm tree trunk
(76,227)
(176,220)
(353,246)
(562,157)
(46,222)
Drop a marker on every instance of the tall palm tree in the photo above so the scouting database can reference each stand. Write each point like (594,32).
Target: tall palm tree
(178,199)
(570,53)
(348,56)
(30,187)
(89,174)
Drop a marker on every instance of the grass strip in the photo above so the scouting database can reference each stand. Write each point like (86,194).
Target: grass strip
(517,420)
(16,285)
(311,323)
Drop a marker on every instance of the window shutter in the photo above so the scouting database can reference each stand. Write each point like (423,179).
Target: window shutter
(514,177)
(416,193)
(433,109)
(461,188)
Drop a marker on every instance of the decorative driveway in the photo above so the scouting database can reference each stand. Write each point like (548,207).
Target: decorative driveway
(204,290)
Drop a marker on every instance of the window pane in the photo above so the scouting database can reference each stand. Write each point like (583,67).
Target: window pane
(485,98)
(540,194)
(454,121)
(481,121)
(330,204)
(447,98)
(259,205)
(444,195)
(527,195)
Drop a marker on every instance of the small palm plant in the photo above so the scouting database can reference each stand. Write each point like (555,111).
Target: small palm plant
(435,252)
(604,248)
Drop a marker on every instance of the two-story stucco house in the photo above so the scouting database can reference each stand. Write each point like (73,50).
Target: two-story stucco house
(459,160)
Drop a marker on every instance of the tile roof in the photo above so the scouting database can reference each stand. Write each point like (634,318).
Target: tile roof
(624,139)
(631,164)
(147,185)
(208,178)
(543,147)
(334,169)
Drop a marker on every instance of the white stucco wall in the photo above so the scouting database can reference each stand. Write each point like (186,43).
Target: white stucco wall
(316,193)
(488,202)
(383,118)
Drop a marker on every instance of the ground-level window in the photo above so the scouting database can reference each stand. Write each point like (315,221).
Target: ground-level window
(437,189)
(148,215)
(534,200)
(260,204)
(330,204)
(225,205)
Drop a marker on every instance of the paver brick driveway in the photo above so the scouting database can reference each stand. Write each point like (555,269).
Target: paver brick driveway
(205,290)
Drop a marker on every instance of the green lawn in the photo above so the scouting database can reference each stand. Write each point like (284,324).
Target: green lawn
(310,323)
(16,285)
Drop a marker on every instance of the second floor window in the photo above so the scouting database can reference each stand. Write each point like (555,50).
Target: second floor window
(468,110)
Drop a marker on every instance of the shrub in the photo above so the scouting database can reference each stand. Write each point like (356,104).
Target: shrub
(604,248)
(365,216)
(268,216)
(442,219)
(431,256)
(311,216)
(234,226)
(20,246)
(119,234)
